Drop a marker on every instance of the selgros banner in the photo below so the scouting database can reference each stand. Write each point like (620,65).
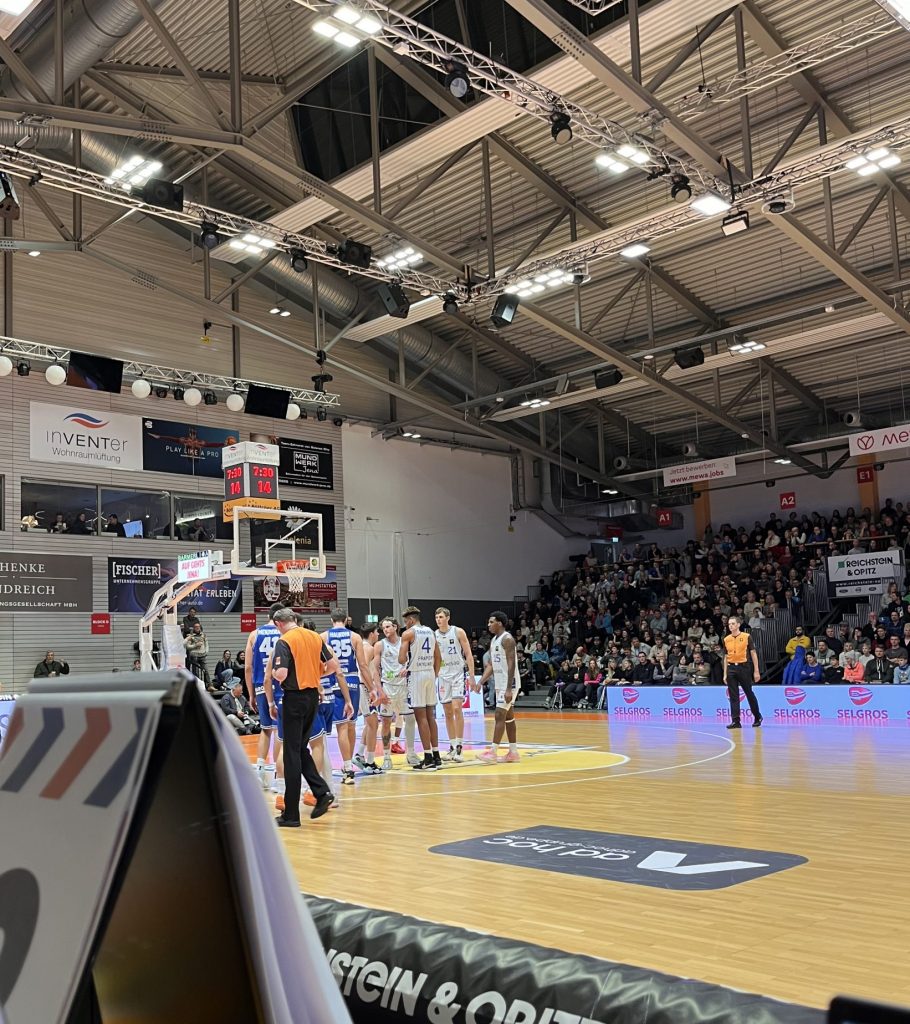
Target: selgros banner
(169,447)
(864,567)
(78,436)
(883,440)
(784,705)
(132,582)
(42,583)
(695,472)
(302,463)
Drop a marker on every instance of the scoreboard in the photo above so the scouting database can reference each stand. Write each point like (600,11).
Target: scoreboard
(250,476)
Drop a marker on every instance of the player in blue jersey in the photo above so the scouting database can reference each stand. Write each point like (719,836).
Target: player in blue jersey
(259,646)
(347,646)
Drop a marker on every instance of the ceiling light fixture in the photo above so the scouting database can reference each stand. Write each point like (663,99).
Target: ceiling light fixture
(783,462)
(55,375)
(450,304)
(736,222)
(141,388)
(23,367)
(872,160)
(741,347)
(610,163)
(709,204)
(136,170)
(209,398)
(401,258)
(34,252)
(629,152)
(633,251)
(298,260)
(609,490)
(234,401)
(456,79)
(898,9)
(208,235)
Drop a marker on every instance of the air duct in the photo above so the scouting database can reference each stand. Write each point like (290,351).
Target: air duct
(92,33)
(853,418)
(689,449)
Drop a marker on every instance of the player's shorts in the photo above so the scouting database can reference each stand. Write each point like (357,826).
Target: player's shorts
(367,707)
(278,694)
(422,691)
(339,705)
(501,697)
(398,702)
(452,688)
(322,723)
(262,706)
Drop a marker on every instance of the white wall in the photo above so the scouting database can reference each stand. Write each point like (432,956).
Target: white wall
(453,509)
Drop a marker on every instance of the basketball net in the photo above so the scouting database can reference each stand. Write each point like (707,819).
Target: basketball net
(295,572)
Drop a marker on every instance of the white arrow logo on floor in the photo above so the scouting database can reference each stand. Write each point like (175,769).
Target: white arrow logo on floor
(672,863)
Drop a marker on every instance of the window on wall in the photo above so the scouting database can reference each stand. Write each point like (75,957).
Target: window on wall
(197,518)
(58,508)
(138,514)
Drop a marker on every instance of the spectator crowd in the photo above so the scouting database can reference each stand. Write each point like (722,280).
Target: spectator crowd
(657,616)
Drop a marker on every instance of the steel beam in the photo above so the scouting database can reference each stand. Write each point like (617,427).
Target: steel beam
(180,59)
(791,384)
(236,75)
(427,182)
(861,221)
(157,72)
(687,51)
(631,366)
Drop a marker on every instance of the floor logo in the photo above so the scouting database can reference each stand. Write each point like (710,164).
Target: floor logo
(639,860)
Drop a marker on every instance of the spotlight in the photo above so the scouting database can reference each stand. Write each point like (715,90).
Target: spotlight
(561,127)
(6,366)
(337,421)
(779,205)
(633,251)
(741,346)
(293,412)
(733,223)
(449,304)
(298,260)
(161,392)
(680,189)
(209,398)
(504,310)
(55,374)
(321,414)
(192,396)
(234,401)
(357,254)
(581,275)
(709,204)
(23,367)
(320,381)
(178,394)
(770,483)
(456,79)
(208,235)
(686,358)
(878,159)
(141,388)
(9,202)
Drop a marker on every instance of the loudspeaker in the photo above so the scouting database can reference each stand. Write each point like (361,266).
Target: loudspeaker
(394,299)
(161,193)
(686,358)
(356,253)
(607,378)
(504,311)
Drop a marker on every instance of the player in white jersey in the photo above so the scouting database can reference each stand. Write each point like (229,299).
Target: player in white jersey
(420,654)
(503,667)
(457,667)
(392,689)
(365,758)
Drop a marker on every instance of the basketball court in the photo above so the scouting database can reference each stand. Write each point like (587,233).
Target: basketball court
(834,796)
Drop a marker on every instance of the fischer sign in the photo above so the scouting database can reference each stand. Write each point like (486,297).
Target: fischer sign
(883,440)
(694,472)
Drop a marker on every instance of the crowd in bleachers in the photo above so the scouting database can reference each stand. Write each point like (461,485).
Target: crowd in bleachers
(657,615)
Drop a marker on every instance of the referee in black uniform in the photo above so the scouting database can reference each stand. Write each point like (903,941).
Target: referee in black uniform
(740,670)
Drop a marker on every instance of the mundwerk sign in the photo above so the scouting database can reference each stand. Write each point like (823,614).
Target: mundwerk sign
(85,437)
(41,583)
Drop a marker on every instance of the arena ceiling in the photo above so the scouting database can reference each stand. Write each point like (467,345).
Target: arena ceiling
(261,116)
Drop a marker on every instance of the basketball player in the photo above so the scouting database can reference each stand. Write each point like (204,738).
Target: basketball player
(365,758)
(392,692)
(420,654)
(347,646)
(457,667)
(259,646)
(740,670)
(503,667)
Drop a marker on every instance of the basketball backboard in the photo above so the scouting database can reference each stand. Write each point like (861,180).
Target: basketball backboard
(287,543)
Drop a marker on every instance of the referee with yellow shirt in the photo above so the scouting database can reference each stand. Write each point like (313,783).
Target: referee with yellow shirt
(740,670)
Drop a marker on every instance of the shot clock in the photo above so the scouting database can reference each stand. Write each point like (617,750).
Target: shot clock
(250,475)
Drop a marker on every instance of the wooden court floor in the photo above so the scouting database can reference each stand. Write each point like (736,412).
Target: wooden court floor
(839,923)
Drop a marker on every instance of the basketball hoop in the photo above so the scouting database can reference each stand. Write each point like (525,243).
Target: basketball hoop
(295,572)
